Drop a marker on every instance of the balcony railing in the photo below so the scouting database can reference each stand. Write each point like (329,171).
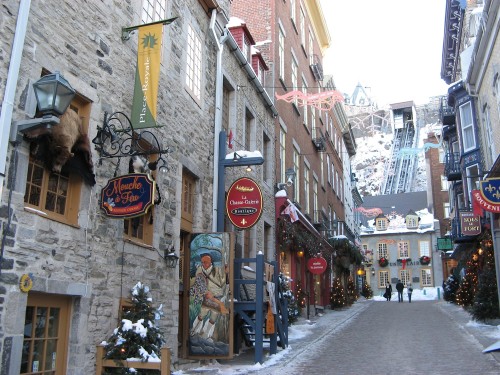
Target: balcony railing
(446,112)
(452,166)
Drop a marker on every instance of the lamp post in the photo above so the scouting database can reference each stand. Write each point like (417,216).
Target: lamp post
(53,96)
(290,175)
(236,161)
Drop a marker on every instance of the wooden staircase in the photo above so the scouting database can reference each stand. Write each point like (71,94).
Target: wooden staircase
(251,308)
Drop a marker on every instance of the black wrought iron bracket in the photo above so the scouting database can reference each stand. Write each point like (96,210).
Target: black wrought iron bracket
(117,139)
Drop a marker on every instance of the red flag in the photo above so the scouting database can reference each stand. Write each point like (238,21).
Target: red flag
(404,263)
(230,139)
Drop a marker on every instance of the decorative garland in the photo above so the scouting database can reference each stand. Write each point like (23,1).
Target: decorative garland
(383,262)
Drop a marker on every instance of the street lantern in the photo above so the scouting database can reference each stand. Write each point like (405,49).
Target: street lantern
(53,95)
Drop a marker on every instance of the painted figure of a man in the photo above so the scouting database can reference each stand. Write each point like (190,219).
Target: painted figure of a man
(209,287)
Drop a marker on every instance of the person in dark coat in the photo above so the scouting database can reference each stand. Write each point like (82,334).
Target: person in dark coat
(388,291)
(399,288)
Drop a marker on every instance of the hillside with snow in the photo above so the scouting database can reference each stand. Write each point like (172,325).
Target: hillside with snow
(374,137)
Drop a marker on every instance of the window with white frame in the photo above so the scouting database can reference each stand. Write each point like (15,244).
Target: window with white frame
(441,156)
(193,63)
(281,53)
(322,169)
(472,173)
(307,181)
(296,167)
(424,248)
(444,183)
(304,108)
(446,209)
(491,154)
(315,200)
(153,10)
(404,276)
(403,249)
(328,168)
(282,154)
(382,251)
(467,126)
(302,27)
(295,72)
(425,277)
(311,48)
(383,279)
(340,192)
(333,176)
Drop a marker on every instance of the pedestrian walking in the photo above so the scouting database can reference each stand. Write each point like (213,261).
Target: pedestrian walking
(388,291)
(410,291)
(399,288)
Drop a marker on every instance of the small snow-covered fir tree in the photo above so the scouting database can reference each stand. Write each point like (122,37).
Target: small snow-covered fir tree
(468,285)
(450,287)
(367,291)
(486,299)
(292,307)
(352,293)
(337,296)
(138,336)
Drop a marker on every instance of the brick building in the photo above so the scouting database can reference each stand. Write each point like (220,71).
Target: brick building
(313,146)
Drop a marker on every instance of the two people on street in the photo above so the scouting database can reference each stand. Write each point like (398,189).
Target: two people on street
(399,288)
(388,291)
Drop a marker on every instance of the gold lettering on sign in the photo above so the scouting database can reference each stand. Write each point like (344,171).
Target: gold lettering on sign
(244,188)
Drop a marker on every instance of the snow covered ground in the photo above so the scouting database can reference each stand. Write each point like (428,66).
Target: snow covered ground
(302,329)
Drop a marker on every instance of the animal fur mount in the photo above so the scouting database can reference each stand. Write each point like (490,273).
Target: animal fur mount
(64,147)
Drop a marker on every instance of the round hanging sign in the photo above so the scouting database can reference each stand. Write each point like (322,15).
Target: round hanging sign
(317,265)
(244,203)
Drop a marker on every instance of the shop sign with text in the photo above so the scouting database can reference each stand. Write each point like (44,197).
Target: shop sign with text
(470,223)
(244,203)
(128,196)
(317,265)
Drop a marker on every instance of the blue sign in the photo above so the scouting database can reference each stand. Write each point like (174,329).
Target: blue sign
(490,190)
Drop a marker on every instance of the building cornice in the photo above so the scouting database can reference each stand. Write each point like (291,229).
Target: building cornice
(318,23)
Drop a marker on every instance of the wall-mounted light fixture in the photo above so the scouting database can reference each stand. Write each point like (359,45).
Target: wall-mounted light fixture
(171,257)
(373,271)
(53,95)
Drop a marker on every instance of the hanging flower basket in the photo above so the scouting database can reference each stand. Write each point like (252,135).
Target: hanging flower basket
(425,260)
(383,262)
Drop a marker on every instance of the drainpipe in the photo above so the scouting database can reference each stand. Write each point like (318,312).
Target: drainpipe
(218,113)
(11,84)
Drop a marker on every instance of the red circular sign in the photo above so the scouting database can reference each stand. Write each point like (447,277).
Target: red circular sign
(316,265)
(244,203)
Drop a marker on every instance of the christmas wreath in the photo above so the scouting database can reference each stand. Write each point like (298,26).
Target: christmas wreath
(424,259)
(383,262)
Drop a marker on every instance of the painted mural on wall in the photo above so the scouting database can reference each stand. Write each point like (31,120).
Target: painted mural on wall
(210,306)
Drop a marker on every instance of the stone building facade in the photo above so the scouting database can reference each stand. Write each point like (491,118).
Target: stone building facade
(82,263)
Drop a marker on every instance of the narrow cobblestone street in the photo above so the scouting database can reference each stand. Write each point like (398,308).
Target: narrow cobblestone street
(377,341)
(370,337)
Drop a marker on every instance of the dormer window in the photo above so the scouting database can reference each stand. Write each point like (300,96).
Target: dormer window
(412,220)
(381,223)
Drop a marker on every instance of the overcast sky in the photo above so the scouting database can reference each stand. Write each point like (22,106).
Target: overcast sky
(393,47)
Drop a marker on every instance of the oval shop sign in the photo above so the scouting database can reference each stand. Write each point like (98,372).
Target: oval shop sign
(244,203)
